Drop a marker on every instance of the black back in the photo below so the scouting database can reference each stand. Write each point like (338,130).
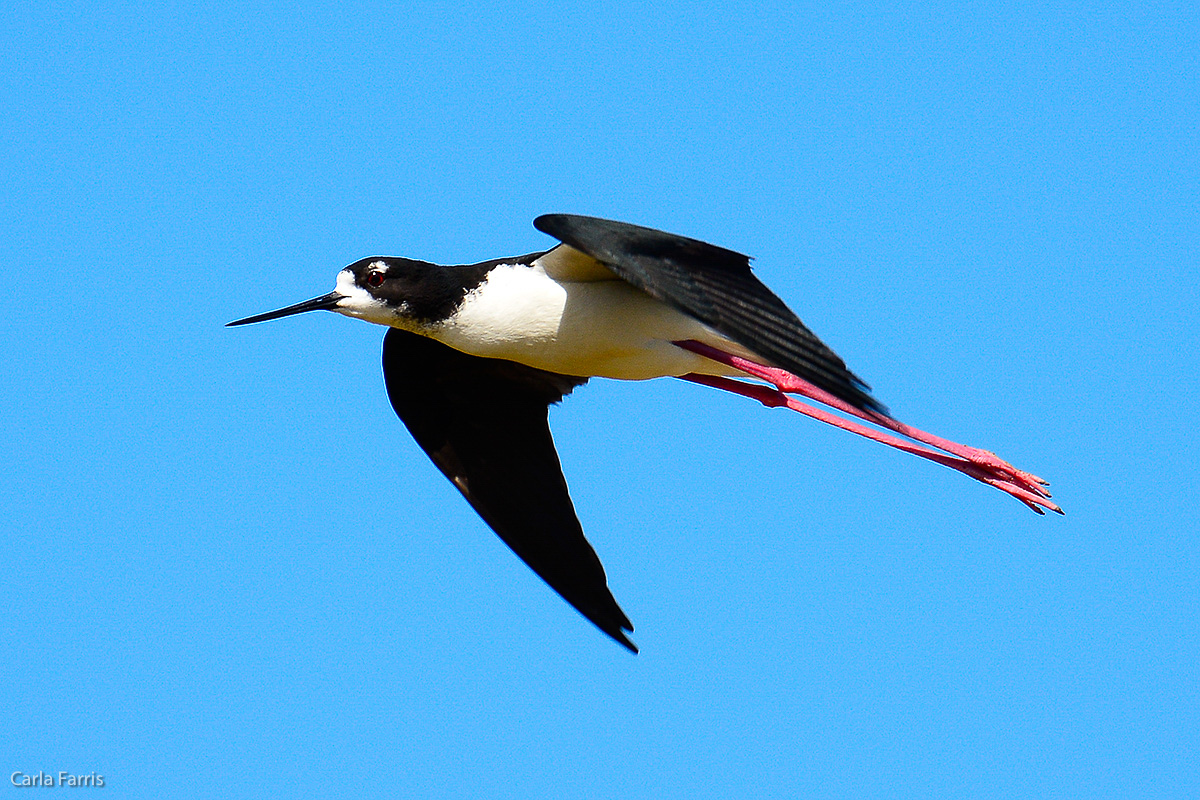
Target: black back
(483,422)
(715,286)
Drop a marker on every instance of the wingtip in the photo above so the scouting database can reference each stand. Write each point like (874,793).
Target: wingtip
(623,640)
(615,628)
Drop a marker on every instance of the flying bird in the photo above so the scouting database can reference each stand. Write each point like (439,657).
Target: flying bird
(475,355)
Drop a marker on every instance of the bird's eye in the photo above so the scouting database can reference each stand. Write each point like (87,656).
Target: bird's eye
(375,279)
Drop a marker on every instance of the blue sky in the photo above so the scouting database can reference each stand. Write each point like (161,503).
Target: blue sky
(228,572)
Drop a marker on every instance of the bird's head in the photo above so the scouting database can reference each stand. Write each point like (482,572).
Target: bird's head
(383,290)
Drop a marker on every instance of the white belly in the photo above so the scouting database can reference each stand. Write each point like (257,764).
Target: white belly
(595,328)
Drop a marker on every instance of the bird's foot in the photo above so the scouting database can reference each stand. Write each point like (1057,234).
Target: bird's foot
(982,465)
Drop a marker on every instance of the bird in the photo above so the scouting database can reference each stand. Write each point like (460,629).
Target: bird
(475,355)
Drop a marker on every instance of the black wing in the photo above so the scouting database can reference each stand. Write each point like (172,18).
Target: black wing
(483,421)
(715,286)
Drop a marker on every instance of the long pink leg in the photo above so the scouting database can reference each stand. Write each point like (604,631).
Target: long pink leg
(979,464)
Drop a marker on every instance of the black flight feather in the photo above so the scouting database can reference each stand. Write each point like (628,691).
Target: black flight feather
(715,286)
(483,422)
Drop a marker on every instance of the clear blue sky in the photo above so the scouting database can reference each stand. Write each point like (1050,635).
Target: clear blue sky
(228,572)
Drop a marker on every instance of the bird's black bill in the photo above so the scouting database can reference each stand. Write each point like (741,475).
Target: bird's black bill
(324,303)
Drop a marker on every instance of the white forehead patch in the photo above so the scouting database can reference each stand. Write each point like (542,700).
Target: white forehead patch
(358,302)
(346,285)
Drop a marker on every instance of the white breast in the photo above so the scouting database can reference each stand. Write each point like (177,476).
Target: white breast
(604,328)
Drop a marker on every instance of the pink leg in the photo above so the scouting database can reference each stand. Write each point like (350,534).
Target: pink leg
(979,464)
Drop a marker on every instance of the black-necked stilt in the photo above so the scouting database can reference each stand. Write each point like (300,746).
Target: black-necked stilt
(475,355)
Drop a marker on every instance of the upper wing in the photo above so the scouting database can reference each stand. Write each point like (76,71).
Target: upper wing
(715,286)
(565,263)
(484,423)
